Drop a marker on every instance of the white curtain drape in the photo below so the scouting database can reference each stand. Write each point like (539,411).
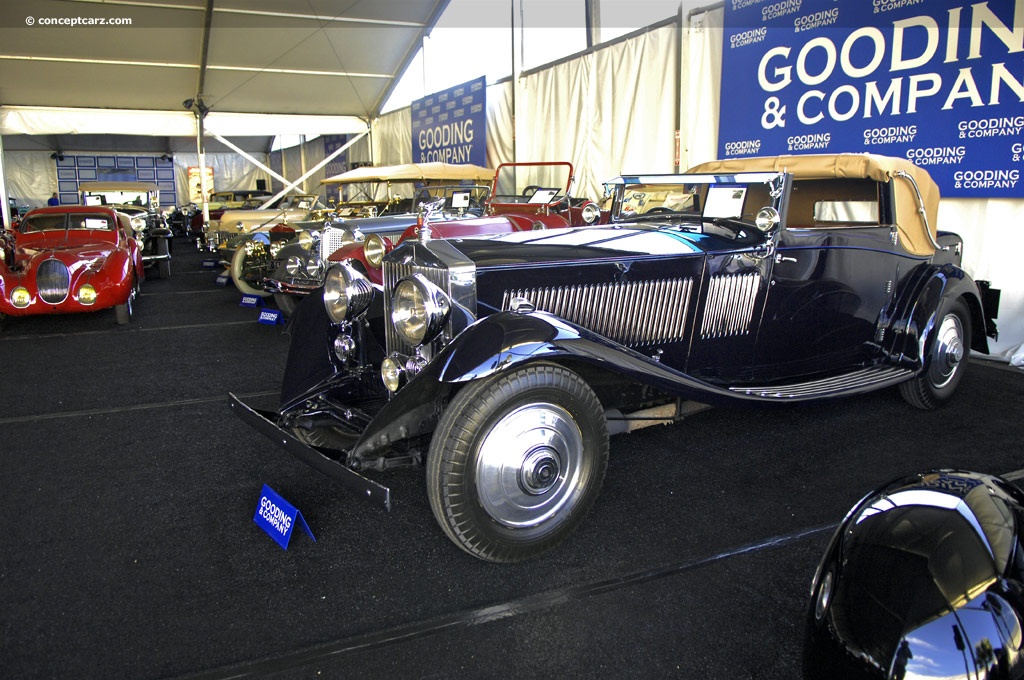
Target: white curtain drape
(608,111)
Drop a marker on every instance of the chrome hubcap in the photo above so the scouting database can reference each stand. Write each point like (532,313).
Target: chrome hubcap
(949,351)
(529,465)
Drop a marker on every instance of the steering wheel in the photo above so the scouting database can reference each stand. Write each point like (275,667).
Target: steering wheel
(530,190)
(659,209)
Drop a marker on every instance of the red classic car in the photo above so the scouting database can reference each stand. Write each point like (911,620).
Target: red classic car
(71,258)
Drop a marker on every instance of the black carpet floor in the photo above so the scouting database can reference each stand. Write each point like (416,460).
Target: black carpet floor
(128,547)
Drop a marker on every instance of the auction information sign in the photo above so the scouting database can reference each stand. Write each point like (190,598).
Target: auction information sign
(939,82)
(451,126)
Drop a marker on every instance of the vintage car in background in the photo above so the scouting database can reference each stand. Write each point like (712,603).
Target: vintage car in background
(71,258)
(522,205)
(923,579)
(381,198)
(502,364)
(141,202)
(235,225)
(288,266)
(17,209)
(220,201)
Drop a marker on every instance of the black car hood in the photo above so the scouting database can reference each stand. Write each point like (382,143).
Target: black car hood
(590,243)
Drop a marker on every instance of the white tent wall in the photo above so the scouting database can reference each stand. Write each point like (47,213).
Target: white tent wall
(608,111)
(701,70)
(31,176)
(230,171)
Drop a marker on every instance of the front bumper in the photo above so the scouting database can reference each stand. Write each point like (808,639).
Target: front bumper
(290,287)
(333,468)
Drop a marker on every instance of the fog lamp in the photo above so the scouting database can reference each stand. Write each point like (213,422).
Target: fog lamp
(391,372)
(344,346)
(87,294)
(20,297)
(293,265)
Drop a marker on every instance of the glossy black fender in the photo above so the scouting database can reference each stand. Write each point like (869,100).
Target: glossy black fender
(923,578)
(931,291)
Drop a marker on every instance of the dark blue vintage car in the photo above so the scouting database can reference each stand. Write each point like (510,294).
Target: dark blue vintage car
(501,364)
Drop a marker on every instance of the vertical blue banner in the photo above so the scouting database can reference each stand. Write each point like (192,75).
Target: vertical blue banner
(940,83)
(337,166)
(451,126)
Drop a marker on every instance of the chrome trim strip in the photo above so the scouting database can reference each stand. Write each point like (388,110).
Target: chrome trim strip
(867,377)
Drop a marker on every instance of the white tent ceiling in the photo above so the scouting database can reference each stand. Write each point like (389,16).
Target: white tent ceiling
(326,58)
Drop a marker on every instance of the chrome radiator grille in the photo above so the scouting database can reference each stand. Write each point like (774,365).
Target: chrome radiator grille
(53,281)
(631,313)
(730,305)
(332,239)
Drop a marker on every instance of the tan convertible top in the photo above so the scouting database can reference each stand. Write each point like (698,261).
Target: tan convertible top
(909,222)
(413,172)
(118,186)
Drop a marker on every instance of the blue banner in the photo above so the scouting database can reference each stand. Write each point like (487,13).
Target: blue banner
(451,126)
(940,83)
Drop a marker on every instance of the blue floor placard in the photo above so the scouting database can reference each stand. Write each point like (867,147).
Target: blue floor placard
(272,317)
(251,301)
(278,517)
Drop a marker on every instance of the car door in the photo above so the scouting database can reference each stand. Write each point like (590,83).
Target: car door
(833,280)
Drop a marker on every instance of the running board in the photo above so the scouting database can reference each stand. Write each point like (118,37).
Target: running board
(848,383)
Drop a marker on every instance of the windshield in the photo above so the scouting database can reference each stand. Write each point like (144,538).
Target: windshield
(695,197)
(531,183)
(63,221)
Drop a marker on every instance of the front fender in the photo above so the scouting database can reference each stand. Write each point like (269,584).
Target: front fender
(504,340)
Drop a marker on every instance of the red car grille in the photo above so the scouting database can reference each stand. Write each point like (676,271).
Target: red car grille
(53,281)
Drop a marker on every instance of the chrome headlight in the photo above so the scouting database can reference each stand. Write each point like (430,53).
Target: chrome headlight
(590,213)
(347,293)
(138,223)
(293,265)
(418,309)
(314,268)
(767,218)
(350,235)
(275,248)
(375,249)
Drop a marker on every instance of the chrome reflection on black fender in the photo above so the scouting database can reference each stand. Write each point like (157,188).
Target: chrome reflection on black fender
(922,579)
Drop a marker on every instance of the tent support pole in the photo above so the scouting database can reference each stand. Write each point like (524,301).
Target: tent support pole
(6,207)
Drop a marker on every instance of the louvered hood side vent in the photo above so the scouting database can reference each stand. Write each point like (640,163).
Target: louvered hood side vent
(730,305)
(632,313)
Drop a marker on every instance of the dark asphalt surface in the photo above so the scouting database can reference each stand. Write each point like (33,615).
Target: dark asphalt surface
(128,547)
